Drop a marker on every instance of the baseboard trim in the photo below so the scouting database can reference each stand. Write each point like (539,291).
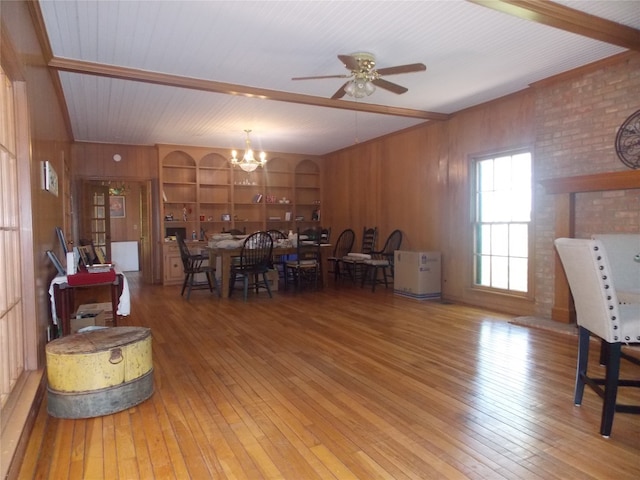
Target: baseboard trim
(20,422)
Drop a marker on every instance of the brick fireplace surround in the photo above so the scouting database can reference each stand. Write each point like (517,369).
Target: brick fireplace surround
(565,191)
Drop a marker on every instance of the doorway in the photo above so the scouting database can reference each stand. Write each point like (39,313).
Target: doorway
(118,213)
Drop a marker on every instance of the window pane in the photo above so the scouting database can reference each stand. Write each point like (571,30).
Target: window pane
(500,240)
(519,240)
(500,272)
(485,270)
(502,173)
(485,176)
(485,240)
(518,274)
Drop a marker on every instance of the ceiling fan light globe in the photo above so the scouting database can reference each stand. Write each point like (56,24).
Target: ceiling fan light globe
(350,89)
(369,88)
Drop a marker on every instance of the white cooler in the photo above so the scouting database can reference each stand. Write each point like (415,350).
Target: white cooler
(417,275)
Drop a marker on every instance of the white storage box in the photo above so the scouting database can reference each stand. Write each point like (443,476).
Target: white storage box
(417,275)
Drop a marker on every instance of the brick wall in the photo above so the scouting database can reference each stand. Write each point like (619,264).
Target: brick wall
(576,121)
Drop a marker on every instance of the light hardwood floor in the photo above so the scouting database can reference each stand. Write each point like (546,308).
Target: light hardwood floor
(342,384)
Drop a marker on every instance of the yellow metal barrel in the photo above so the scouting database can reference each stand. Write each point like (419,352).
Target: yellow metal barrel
(99,372)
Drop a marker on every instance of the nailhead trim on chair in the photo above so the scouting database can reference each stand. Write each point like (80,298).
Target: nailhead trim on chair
(605,277)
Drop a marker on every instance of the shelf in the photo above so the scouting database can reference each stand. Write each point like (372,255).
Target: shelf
(202,180)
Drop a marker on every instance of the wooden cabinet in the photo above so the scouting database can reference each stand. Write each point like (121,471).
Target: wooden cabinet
(202,194)
(173,271)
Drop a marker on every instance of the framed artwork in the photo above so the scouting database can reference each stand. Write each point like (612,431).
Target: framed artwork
(50,178)
(117,206)
(226,217)
(102,258)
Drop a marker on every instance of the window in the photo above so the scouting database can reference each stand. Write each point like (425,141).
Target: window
(502,215)
(11,320)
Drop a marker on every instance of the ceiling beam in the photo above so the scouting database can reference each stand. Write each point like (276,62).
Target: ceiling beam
(124,73)
(569,19)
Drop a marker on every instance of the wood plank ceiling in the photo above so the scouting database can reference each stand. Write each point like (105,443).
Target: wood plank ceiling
(199,73)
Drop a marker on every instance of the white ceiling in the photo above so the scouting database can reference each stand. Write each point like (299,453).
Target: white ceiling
(473,54)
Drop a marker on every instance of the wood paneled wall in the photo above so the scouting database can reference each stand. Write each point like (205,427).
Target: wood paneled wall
(95,160)
(392,182)
(417,180)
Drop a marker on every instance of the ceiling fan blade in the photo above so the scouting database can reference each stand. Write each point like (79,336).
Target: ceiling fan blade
(350,62)
(320,76)
(340,93)
(412,67)
(392,87)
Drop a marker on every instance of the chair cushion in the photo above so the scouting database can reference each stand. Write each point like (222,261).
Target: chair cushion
(303,263)
(356,257)
(377,263)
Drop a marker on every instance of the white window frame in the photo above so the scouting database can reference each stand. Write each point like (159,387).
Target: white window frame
(484,258)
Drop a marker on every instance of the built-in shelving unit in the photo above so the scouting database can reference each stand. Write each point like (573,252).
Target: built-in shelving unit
(203,194)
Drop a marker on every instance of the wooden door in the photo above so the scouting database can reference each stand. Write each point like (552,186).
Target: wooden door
(95,216)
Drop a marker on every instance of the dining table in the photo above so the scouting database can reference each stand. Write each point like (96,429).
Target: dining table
(222,258)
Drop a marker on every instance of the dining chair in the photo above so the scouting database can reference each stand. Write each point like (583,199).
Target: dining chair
(599,313)
(352,262)
(382,260)
(253,264)
(193,265)
(623,251)
(343,245)
(306,267)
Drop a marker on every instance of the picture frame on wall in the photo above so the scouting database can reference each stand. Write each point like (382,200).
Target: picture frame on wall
(117,206)
(50,178)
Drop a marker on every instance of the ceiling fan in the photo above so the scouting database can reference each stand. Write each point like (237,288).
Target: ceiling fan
(364,78)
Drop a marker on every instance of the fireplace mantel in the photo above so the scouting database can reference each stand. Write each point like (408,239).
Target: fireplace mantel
(565,190)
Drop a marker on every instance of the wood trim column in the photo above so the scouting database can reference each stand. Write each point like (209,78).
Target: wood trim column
(563,309)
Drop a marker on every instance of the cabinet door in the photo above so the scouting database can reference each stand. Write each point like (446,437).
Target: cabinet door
(173,271)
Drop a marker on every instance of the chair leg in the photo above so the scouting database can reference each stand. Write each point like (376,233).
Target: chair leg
(610,388)
(365,273)
(213,282)
(581,371)
(245,288)
(266,282)
(191,275)
(184,284)
(604,352)
(208,275)
(374,279)
(232,283)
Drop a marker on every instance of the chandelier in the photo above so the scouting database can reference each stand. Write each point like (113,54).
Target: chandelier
(361,86)
(248,162)
(116,188)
